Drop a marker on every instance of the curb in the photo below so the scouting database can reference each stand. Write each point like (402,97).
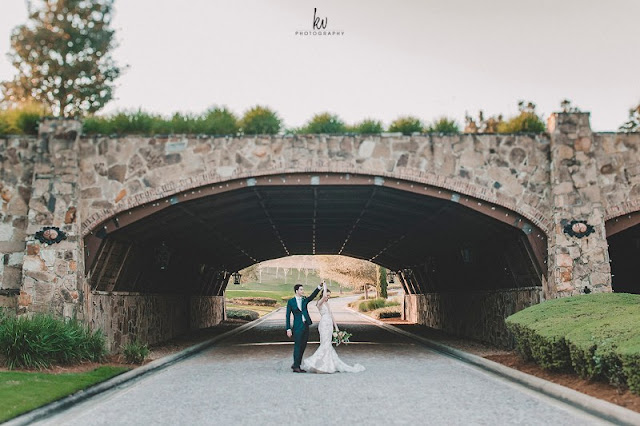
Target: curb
(126,379)
(597,407)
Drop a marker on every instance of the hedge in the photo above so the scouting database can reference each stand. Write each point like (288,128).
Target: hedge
(242,314)
(256,301)
(594,335)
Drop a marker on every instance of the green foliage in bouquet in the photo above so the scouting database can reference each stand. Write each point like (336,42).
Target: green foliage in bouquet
(341,336)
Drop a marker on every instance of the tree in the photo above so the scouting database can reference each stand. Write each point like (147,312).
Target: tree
(324,123)
(63,58)
(351,272)
(260,120)
(407,125)
(633,125)
(381,286)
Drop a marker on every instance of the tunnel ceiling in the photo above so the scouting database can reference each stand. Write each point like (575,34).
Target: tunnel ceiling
(390,227)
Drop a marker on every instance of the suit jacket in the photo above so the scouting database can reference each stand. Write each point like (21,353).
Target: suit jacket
(292,308)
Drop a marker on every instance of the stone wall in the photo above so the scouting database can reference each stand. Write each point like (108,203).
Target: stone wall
(206,311)
(17,158)
(150,318)
(120,173)
(477,315)
(617,158)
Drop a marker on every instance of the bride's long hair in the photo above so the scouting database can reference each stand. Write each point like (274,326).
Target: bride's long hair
(328,292)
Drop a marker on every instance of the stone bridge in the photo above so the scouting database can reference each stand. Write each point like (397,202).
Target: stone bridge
(139,235)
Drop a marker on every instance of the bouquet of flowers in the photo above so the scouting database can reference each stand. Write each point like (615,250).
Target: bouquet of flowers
(341,336)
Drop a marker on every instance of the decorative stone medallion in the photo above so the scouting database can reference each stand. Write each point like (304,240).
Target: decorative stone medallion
(578,228)
(50,235)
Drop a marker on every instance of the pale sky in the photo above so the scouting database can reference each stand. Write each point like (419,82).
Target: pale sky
(425,58)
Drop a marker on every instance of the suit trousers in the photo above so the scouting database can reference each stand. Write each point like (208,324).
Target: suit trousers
(300,339)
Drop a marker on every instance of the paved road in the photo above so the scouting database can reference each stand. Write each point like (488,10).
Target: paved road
(247,380)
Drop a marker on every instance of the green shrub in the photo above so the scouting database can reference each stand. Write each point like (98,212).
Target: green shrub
(242,314)
(260,120)
(42,340)
(525,122)
(407,125)
(219,121)
(373,304)
(593,335)
(135,352)
(216,121)
(368,127)
(444,125)
(324,123)
(23,119)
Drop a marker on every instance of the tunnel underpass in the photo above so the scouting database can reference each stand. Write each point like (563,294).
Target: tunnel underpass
(437,241)
(623,237)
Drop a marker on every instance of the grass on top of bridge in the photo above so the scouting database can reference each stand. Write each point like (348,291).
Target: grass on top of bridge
(24,391)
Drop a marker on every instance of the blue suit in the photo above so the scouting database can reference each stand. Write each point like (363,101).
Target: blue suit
(300,328)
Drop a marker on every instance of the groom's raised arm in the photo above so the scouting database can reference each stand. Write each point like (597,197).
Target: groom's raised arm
(314,293)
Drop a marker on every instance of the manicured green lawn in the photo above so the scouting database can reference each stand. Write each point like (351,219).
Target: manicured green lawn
(595,335)
(23,391)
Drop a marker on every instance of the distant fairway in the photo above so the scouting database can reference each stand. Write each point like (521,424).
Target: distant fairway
(274,287)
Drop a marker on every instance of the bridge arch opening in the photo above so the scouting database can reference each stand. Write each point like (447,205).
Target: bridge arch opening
(623,237)
(439,242)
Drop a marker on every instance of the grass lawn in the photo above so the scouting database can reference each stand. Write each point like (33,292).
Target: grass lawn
(23,391)
(261,310)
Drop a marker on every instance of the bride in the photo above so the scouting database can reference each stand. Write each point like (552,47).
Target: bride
(325,359)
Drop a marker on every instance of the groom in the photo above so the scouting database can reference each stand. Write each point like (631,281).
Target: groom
(301,322)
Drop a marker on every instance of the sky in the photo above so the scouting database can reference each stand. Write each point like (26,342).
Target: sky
(426,58)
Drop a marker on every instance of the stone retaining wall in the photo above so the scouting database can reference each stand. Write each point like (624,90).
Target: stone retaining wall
(206,311)
(150,318)
(477,315)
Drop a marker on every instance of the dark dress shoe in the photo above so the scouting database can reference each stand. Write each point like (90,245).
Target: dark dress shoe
(298,370)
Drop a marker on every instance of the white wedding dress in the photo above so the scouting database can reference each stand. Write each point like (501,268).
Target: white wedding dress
(325,359)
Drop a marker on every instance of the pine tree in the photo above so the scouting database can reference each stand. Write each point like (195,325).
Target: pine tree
(382,282)
(62,57)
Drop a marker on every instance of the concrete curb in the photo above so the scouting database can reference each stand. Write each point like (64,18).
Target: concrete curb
(597,407)
(126,379)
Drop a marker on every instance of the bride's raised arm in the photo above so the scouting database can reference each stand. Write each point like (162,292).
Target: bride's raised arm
(324,292)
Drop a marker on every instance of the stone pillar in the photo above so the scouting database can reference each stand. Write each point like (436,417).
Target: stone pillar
(53,260)
(578,256)
(17,155)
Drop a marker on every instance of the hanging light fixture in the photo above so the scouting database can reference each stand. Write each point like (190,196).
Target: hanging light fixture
(236,278)
(391,276)
(163,255)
